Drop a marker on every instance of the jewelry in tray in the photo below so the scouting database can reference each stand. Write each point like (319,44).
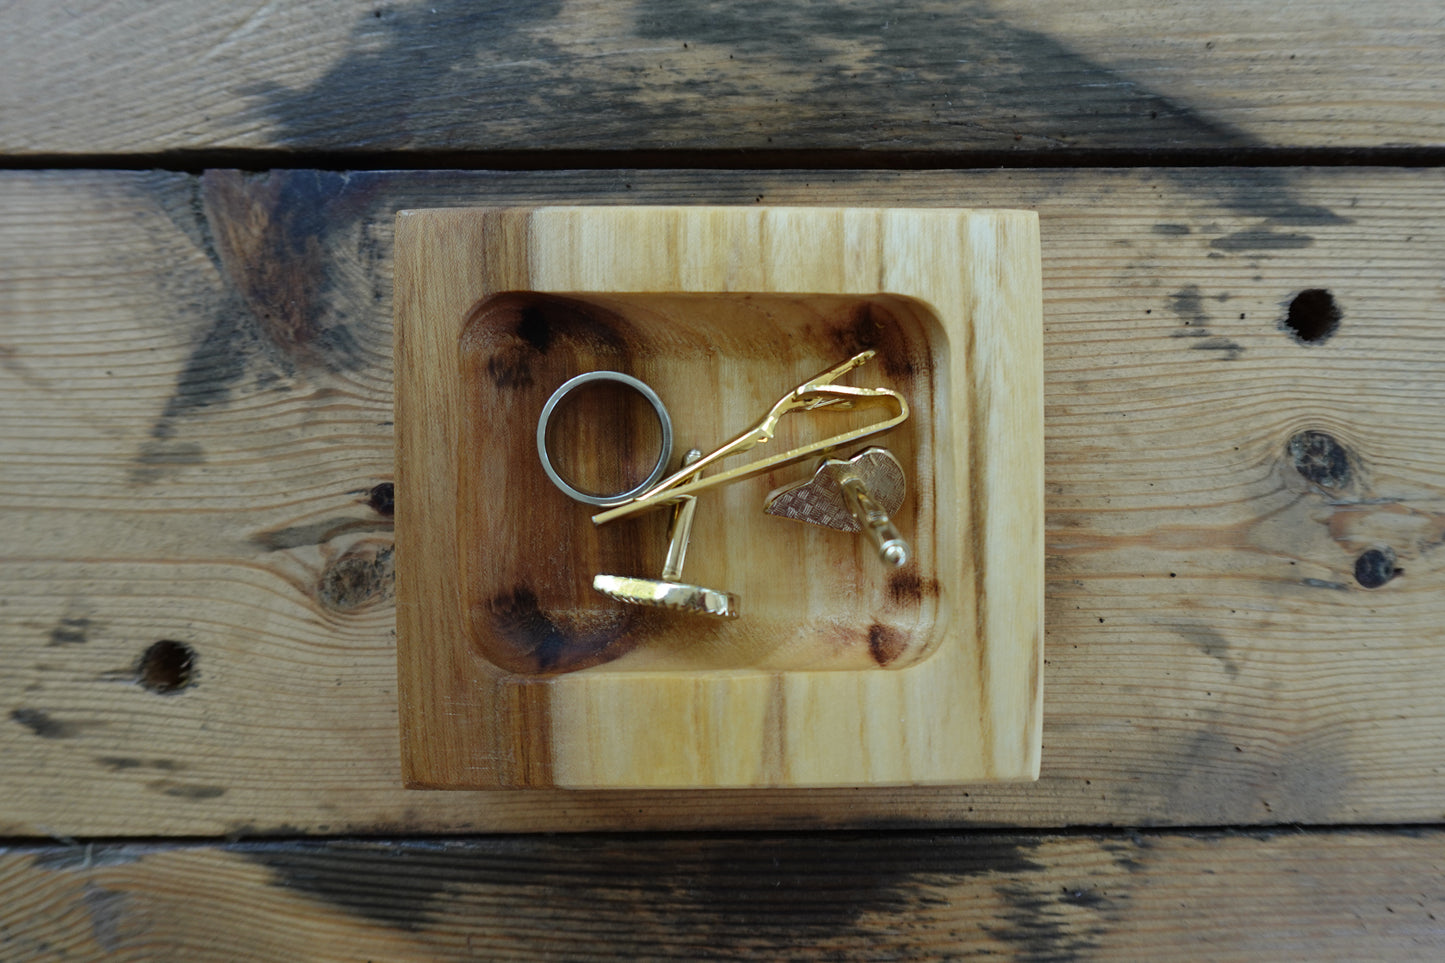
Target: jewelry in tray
(857,494)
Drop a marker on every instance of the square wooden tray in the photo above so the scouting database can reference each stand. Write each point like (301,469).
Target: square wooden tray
(513,672)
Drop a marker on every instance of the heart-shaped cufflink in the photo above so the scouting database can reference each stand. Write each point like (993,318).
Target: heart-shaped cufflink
(856,495)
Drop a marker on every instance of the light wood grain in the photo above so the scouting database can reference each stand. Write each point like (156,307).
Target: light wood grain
(514,673)
(441,75)
(1316,896)
(190,427)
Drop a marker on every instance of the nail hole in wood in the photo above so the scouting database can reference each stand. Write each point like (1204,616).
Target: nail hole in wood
(167,666)
(1313,316)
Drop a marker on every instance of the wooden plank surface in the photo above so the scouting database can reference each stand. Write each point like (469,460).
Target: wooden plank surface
(98,77)
(1321,896)
(195,412)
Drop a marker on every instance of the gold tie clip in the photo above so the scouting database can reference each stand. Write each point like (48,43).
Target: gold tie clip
(817,392)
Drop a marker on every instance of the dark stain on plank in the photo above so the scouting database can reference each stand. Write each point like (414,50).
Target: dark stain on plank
(70,632)
(1324,584)
(109,911)
(276,315)
(124,763)
(408,68)
(1320,459)
(965,68)
(1172,230)
(1229,348)
(1261,240)
(1303,779)
(776,894)
(161,457)
(1187,304)
(1211,643)
(195,792)
(317,533)
(1051,923)
(269,232)
(10,360)
(365,574)
(44,725)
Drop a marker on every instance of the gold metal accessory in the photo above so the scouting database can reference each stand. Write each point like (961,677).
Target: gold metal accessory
(856,495)
(817,392)
(668,592)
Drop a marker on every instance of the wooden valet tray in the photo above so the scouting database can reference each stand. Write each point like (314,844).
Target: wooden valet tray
(514,672)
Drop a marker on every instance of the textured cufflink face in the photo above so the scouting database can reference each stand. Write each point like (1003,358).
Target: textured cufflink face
(820,501)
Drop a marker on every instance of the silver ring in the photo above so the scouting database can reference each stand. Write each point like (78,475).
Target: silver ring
(607,501)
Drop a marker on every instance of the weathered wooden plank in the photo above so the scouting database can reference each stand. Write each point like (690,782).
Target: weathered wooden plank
(985,75)
(195,416)
(1316,896)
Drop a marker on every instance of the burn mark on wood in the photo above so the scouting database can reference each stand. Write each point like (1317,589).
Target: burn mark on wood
(70,632)
(907,587)
(533,640)
(869,325)
(520,620)
(885,643)
(365,574)
(46,726)
(535,328)
(1320,459)
(1375,567)
(522,328)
